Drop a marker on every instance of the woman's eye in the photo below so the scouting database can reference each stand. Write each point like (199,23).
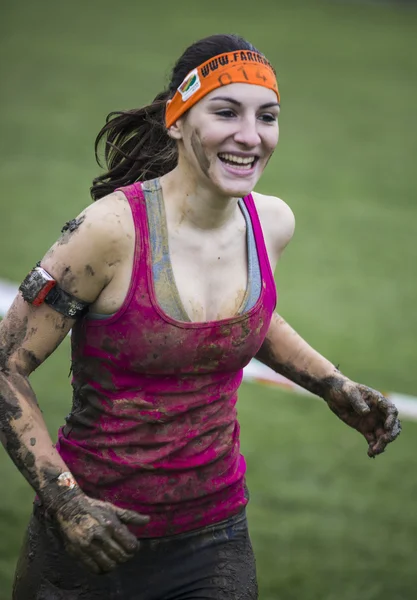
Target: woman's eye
(268,118)
(227,113)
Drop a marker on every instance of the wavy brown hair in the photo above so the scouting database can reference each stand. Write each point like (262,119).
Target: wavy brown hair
(136,142)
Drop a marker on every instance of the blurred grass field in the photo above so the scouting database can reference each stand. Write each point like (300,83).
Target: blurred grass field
(327,523)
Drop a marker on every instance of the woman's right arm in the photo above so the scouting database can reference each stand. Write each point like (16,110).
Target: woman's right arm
(82,262)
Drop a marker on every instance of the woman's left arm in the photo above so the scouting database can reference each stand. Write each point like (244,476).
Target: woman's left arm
(359,406)
(287,353)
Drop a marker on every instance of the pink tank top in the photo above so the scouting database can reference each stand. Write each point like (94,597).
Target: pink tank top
(154,426)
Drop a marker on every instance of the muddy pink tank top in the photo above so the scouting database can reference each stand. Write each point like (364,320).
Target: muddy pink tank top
(154,426)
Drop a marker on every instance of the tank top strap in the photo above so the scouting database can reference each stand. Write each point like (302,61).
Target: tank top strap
(136,199)
(267,274)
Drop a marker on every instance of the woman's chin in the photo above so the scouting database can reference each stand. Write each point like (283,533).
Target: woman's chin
(234,188)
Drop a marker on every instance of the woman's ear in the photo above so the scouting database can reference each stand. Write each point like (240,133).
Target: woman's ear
(174,131)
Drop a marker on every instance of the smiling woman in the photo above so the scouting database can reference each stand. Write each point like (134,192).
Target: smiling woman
(231,137)
(167,283)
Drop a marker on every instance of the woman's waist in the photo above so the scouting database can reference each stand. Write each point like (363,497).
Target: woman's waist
(171,522)
(194,437)
(176,499)
(139,457)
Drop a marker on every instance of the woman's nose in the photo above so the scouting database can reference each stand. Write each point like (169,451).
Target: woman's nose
(247,133)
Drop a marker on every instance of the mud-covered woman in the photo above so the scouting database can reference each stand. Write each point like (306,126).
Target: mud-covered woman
(166,281)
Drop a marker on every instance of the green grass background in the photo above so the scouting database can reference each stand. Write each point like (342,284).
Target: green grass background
(327,523)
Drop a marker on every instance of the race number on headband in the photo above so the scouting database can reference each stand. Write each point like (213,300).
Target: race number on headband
(231,67)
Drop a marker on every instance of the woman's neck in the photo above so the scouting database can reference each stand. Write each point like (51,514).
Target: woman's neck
(195,204)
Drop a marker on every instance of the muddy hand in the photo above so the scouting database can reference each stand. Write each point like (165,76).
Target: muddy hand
(367,411)
(95,532)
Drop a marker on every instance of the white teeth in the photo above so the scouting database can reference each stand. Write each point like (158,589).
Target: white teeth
(240,160)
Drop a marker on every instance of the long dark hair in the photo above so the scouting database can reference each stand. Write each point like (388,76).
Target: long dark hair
(137,145)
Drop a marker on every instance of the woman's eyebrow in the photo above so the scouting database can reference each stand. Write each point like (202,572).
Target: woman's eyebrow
(226,99)
(237,103)
(270,105)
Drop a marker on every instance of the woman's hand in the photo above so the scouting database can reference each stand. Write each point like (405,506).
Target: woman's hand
(95,532)
(366,410)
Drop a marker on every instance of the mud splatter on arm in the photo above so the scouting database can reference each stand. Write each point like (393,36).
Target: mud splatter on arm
(287,353)
(29,334)
(82,262)
(359,406)
(81,519)
(22,428)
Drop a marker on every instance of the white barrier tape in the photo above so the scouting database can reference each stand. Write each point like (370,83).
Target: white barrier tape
(254,372)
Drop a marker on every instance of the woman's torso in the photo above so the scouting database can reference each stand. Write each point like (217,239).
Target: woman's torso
(224,267)
(154,425)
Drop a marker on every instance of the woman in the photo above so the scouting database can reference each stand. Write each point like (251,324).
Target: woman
(167,284)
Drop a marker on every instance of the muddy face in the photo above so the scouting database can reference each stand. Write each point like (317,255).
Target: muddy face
(229,137)
(199,153)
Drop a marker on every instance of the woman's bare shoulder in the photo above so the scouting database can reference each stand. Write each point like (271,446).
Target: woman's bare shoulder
(91,246)
(277,220)
(109,214)
(272,206)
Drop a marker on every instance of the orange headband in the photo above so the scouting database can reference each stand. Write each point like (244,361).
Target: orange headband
(223,69)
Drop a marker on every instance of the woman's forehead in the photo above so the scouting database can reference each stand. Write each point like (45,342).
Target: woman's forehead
(244,93)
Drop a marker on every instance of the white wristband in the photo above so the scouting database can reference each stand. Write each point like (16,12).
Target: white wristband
(66,479)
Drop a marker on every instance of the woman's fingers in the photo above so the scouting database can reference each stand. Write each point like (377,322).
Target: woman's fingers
(379,446)
(114,550)
(96,532)
(103,553)
(383,438)
(370,437)
(395,430)
(131,517)
(389,410)
(128,542)
(114,538)
(103,560)
(93,557)
(358,403)
(391,427)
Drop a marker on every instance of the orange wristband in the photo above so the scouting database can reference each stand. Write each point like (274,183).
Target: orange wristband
(232,67)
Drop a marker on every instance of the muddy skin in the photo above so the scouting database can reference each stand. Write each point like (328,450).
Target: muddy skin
(72,225)
(31,361)
(13,385)
(45,570)
(200,155)
(22,458)
(114,263)
(52,491)
(69,228)
(89,270)
(32,331)
(10,340)
(319,387)
(67,279)
(11,411)
(377,421)
(93,531)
